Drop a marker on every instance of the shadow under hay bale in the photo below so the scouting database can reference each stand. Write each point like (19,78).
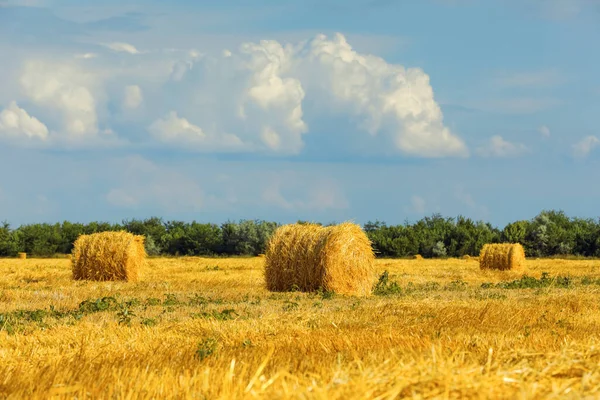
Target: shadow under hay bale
(108,256)
(309,257)
(502,257)
(22,256)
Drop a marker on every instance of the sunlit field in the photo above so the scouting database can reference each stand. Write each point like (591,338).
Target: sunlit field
(207,329)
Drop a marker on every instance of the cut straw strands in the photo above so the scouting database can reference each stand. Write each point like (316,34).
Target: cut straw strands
(108,256)
(502,257)
(309,257)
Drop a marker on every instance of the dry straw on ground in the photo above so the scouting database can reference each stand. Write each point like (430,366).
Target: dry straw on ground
(502,256)
(23,256)
(310,257)
(108,256)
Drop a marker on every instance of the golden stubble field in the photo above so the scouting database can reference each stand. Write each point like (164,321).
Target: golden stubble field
(207,329)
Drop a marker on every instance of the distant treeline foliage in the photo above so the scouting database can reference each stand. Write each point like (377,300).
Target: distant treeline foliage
(548,234)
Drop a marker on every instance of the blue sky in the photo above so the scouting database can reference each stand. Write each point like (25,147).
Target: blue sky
(286,110)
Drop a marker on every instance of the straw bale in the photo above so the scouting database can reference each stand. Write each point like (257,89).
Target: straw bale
(502,256)
(309,257)
(466,257)
(417,257)
(108,256)
(22,256)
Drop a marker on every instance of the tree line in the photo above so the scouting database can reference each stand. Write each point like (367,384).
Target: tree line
(550,233)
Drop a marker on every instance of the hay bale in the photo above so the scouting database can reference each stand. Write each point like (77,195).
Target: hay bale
(23,256)
(466,257)
(417,257)
(502,256)
(108,256)
(309,257)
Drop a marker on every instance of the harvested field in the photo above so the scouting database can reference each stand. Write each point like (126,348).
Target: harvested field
(208,328)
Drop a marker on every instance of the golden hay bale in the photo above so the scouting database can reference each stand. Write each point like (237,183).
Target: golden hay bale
(108,256)
(466,257)
(310,257)
(417,257)
(22,256)
(502,256)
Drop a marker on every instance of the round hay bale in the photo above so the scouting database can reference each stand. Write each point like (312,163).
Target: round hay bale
(108,256)
(502,256)
(417,257)
(466,257)
(309,257)
(23,256)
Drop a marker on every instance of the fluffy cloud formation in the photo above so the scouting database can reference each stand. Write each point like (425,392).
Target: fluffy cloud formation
(393,100)
(500,148)
(15,122)
(133,97)
(179,131)
(64,88)
(584,147)
(254,99)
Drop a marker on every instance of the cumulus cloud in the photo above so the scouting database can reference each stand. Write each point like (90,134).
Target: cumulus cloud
(177,129)
(584,147)
(122,47)
(181,132)
(15,122)
(391,99)
(66,89)
(253,99)
(133,97)
(265,87)
(499,148)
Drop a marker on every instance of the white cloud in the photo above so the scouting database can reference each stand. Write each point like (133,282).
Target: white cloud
(173,128)
(67,89)
(544,131)
(396,101)
(133,97)
(147,184)
(265,87)
(16,122)
(498,147)
(122,47)
(253,99)
(584,147)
